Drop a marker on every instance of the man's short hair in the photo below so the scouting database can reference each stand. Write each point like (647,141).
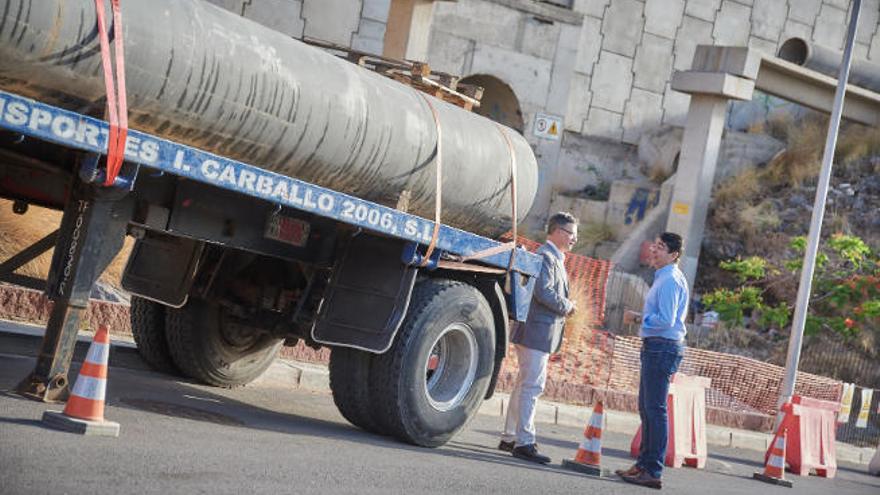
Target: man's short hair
(673,241)
(559,219)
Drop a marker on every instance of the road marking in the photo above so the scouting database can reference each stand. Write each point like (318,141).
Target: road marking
(14,356)
(206,399)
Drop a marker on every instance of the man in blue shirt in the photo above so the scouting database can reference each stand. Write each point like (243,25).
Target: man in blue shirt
(662,332)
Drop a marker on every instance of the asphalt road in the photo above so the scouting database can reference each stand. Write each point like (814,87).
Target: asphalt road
(178,437)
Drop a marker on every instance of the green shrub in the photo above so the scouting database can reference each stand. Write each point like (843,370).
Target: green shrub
(850,248)
(732,305)
(775,316)
(845,296)
(751,268)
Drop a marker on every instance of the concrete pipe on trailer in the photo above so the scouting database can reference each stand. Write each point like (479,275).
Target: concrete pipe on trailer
(206,77)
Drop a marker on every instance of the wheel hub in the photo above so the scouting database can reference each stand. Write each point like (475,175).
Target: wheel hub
(237,335)
(450,367)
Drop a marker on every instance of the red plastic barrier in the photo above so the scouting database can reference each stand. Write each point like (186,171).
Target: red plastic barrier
(812,437)
(686,405)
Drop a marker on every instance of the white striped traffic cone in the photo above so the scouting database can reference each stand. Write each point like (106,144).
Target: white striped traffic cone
(774,470)
(84,412)
(589,453)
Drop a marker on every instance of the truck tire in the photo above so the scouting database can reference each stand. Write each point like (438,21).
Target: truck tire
(432,380)
(205,349)
(350,382)
(148,329)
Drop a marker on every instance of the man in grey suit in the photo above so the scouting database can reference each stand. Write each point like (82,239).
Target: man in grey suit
(540,335)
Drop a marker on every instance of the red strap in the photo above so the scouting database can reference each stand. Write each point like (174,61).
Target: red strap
(117,106)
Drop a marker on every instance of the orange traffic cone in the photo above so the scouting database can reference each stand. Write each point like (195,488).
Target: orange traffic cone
(84,412)
(589,453)
(774,470)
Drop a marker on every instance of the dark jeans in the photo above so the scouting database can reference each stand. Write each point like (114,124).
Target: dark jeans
(660,360)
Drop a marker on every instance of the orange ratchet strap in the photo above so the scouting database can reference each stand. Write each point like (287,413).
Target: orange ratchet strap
(438,196)
(508,246)
(117,106)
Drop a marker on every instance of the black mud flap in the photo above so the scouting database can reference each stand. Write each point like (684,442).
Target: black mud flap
(162,268)
(367,296)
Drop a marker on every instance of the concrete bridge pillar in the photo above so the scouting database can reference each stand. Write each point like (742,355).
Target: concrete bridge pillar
(719,74)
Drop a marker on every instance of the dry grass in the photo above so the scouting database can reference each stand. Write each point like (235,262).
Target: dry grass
(20,231)
(778,126)
(802,158)
(795,166)
(805,140)
(581,322)
(592,233)
(857,142)
(740,187)
(838,222)
(800,162)
(757,219)
(658,174)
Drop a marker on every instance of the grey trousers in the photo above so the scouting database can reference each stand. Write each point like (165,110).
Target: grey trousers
(519,426)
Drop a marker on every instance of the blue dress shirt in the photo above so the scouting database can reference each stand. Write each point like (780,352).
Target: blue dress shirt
(666,305)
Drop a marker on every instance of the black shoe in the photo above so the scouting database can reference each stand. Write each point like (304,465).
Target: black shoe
(530,453)
(643,479)
(506,446)
(630,471)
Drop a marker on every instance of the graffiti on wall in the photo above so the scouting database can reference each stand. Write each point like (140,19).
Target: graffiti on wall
(641,201)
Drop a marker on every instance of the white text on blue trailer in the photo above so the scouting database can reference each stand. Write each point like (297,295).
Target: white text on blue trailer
(232,261)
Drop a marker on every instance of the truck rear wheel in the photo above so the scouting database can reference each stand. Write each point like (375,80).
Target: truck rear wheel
(148,329)
(212,351)
(433,379)
(350,382)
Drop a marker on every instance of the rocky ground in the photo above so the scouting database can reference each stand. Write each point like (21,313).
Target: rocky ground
(759,210)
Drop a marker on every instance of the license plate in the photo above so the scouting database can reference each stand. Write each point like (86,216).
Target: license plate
(287,230)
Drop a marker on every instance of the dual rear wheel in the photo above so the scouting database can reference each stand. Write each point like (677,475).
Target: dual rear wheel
(197,341)
(422,390)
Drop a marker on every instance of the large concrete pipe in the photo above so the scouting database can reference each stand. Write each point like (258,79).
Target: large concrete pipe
(206,77)
(827,61)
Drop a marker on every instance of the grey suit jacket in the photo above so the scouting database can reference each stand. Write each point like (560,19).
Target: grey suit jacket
(543,328)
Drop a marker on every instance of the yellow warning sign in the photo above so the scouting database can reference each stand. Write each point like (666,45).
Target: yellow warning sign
(867,395)
(846,402)
(547,126)
(681,208)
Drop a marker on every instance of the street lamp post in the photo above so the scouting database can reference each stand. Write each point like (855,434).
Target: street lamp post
(795,341)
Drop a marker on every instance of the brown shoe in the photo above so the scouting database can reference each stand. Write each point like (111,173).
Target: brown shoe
(644,479)
(633,470)
(506,446)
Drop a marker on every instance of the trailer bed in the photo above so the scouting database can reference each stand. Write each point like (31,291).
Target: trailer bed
(76,131)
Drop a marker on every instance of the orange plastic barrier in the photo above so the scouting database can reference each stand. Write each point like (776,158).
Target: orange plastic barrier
(686,406)
(812,437)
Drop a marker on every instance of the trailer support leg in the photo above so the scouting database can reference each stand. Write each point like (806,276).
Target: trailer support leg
(91,234)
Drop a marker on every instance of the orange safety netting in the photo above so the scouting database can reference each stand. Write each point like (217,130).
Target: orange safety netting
(584,273)
(597,359)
